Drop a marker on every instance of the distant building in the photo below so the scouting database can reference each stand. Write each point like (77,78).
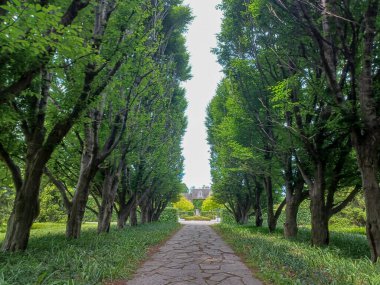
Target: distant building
(198,193)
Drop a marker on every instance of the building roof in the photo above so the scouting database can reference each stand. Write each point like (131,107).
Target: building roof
(198,193)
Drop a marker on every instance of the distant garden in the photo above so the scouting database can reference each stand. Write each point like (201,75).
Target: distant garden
(198,209)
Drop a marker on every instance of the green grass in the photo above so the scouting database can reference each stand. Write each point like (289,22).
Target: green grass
(52,259)
(281,261)
(196,218)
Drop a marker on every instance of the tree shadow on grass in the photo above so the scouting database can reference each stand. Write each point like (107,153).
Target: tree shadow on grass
(284,261)
(345,245)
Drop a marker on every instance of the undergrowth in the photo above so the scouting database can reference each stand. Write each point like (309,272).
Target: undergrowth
(52,259)
(282,261)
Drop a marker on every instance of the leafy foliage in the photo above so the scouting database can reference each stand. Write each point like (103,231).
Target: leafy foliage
(6,198)
(93,91)
(281,124)
(183,204)
(51,207)
(227,217)
(198,203)
(169,215)
(210,204)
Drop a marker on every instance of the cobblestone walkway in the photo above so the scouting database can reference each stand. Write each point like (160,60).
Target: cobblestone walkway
(195,255)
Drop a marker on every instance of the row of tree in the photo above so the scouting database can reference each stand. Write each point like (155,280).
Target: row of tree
(297,113)
(91,103)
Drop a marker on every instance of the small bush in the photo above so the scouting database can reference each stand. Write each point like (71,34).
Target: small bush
(51,206)
(210,214)
(169,215)
(227,217)
(210,204)
(196,218)
(183,204)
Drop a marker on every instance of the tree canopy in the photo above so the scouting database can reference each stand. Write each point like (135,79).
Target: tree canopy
(295,110)
(92,108)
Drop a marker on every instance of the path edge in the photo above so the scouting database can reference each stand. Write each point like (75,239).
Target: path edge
(255,270)
(149,252)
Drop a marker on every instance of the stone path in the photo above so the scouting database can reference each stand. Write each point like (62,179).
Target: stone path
(195,255)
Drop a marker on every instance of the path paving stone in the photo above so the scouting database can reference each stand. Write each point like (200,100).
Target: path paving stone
(195,255)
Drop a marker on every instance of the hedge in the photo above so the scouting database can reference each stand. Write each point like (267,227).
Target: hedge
(169,215)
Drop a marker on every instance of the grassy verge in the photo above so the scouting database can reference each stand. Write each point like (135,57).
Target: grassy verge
(282,261)
(52,259)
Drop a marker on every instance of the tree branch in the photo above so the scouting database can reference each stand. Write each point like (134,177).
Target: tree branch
(12,166)
(345,202)
(61,188)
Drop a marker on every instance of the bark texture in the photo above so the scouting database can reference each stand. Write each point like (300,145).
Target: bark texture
(25,210)
(319,218)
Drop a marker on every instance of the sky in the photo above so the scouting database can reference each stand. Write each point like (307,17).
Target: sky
(201,38)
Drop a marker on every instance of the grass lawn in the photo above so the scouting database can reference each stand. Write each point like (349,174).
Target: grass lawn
(281,261)
(52,259)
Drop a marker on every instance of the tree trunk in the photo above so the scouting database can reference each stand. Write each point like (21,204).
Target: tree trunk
(122,218)
(75,217)
(242,219)
(157,213)
(319,215)
(145,212)
(294,197)
(258,212)
(110,185)
(124,212)
(133,215)
(368,165)
(291,211)
(25,209)
(272,222)
(366,141)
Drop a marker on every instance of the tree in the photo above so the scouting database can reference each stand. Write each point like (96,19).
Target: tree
(342,39)
(62,91)
(210,204)
(230,136)
(183,204)
(300,138)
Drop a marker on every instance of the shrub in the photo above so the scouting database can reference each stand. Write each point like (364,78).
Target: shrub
(183,204)
(353,215)
(51,206)
(209,204)
(169,215)
(196,218)
(211,214)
